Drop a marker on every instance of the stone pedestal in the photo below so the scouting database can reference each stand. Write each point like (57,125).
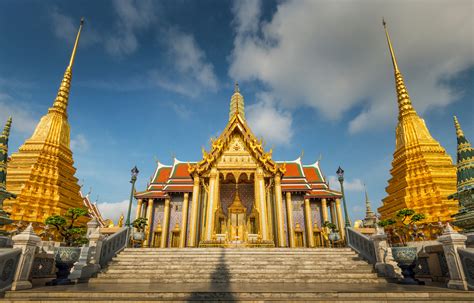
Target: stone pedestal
(28,242)
(451,241)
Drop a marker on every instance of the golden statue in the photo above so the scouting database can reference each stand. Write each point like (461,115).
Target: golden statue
(120,221)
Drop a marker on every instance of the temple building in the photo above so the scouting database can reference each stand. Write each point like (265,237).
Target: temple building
(237,195)
(465,184)
(41,173)
(423,174)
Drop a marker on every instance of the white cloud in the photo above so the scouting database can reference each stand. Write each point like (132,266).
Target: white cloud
(133,16)
(268,121)
(65,28)
(80,143)
(181,110)
(23,120)
(189,71)
(113,210)
(349,185)
(333,55)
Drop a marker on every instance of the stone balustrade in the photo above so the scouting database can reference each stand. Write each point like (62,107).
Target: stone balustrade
(9,259)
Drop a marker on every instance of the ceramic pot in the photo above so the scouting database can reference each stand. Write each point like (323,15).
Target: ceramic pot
(65,257)
(406,258)
(334,236)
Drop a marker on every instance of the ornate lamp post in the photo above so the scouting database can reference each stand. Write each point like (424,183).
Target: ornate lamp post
(133,180)
(340,174)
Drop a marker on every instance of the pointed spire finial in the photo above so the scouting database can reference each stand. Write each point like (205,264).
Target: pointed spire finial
(4,154)
(392,53)
(367,201)
(404,102)
(459,131)
(73,55)
(62,98)
(6,129)
(236,103)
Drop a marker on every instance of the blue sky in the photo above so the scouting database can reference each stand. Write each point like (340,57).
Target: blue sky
(154,79)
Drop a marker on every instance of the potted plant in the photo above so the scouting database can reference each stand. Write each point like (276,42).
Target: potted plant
(139,234)
(333,234)
(401,230)
(73,235)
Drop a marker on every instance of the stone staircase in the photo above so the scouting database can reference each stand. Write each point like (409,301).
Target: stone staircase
(216,265)
(256,275)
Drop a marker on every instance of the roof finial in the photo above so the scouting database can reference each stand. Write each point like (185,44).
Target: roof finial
(6,129)
(62,98)
(236,87)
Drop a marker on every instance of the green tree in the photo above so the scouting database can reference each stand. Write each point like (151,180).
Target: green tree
(67,226)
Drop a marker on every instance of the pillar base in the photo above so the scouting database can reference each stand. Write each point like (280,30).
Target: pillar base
(19,285)
(457,284)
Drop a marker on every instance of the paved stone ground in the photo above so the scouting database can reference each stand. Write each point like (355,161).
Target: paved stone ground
(256,292)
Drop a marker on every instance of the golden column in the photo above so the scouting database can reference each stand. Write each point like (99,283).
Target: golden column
(308,223)
(166,224)
(332,208)
(261,203)
(139,208)
(194,212)
(213,180)
(340,223)
(269,214)
(149,213)
(279,211)
(324,209)
(184,221)
(289,214)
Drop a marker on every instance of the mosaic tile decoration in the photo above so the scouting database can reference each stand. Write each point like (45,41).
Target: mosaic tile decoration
(176,214)
(316,212)
(298,213)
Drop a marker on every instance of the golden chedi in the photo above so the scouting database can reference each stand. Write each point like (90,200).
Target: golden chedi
(423,174)
(41,173)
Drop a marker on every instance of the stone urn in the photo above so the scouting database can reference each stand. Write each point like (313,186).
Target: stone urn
(138,236)
(334,236)
(406,258)
(65,257)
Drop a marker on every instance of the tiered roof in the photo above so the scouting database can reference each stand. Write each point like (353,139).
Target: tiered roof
(298,177)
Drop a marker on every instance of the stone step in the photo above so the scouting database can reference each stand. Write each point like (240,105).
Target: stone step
(247,260)
(233,250)
(243,266)
(126,280)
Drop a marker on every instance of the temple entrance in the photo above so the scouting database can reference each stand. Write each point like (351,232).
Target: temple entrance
(237,220)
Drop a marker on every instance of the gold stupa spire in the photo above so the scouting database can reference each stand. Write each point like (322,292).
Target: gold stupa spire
(422,174)
(62,98)
(41,173)
(404,103)
(237,105)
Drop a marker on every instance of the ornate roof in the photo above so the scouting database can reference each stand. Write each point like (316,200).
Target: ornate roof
(465,160)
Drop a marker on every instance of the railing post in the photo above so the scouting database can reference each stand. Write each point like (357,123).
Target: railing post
(28,241)
(452,240)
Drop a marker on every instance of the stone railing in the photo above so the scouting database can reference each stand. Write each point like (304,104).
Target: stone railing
(111,246)
(43,266)
(362,244)
(9,259)
(467,260)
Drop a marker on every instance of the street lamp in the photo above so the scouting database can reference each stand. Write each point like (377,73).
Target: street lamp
(340,174)
(133,180)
